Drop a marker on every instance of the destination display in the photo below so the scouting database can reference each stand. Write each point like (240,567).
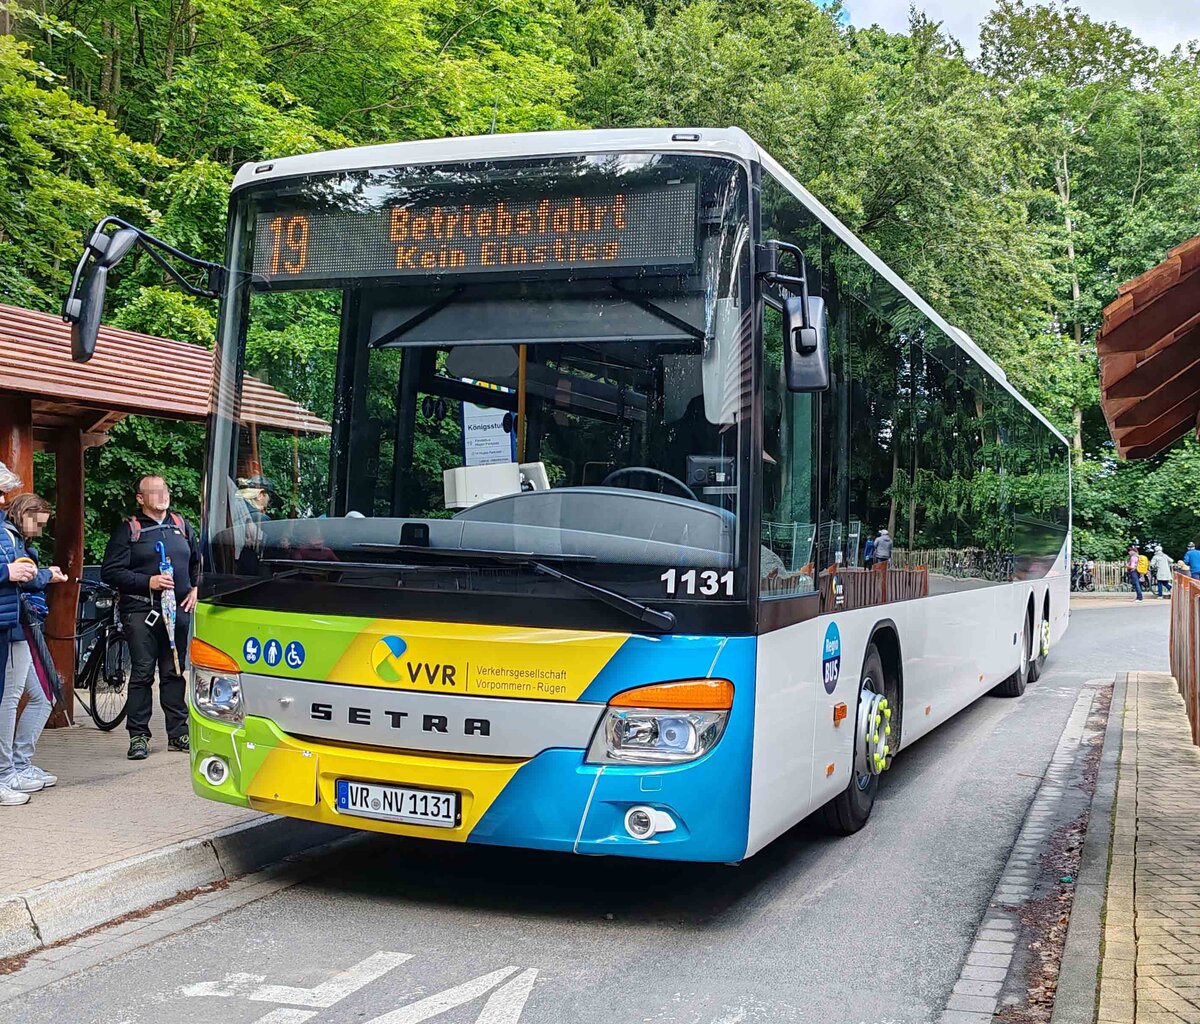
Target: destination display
(648,227)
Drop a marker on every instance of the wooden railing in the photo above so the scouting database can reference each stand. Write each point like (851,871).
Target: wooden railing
(1185,645)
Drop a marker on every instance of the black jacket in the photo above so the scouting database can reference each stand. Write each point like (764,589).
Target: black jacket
(128,567)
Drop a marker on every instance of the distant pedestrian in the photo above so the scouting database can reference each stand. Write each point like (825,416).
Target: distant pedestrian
(1191,558)
(27,516)
(15,572)
(131,566)
(1163,568)
(883,549)
(869,553)
(1131,566)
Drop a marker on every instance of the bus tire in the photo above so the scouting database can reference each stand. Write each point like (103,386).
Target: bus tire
(1040,646)
(1015,684)
(847,812)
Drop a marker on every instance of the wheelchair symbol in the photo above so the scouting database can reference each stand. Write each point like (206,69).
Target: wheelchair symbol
(293,655)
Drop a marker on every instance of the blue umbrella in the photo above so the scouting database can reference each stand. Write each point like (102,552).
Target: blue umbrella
(168,600)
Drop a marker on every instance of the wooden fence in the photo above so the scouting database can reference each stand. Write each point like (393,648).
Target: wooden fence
(1185,645)
(1105,575)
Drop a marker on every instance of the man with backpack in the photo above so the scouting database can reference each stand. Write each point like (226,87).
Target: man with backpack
(132,563)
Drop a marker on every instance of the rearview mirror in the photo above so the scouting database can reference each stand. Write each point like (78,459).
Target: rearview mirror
(85,308)
(84,304)
(89,307)
(805,344)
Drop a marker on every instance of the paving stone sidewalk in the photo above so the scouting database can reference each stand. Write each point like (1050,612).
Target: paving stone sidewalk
(103,810)
(1150,972)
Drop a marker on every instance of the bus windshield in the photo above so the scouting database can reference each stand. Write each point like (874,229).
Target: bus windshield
(496,367)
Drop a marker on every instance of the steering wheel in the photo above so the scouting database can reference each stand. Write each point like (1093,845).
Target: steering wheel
(648,471)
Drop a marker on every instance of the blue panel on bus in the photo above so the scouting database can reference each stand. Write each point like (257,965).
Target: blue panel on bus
(651,659)
(557,802)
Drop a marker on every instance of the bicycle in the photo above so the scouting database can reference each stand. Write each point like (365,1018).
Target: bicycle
(104,667)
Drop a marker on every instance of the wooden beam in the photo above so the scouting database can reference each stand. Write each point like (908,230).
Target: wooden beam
(1181,357)
(1154,321)
(16,436)
(1148,451)
(68,554)
(1151,440)
(1144,412)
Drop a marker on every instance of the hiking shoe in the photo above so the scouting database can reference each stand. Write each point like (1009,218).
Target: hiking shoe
(11,798)
(23,783)
(139,748)
(180,743)
(48,780)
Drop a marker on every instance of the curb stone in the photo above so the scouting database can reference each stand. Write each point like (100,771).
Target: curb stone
(1075,999)
(975,1000)
(61,909)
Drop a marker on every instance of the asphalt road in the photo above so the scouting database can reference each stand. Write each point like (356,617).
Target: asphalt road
(871,928)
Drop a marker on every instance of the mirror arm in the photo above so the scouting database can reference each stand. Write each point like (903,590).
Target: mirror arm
(767,257)
(215,275)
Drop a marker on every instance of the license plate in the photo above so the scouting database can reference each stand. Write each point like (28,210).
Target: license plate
(397,803)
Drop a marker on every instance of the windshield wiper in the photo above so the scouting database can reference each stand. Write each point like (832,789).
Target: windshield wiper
(636,609)
(642,612)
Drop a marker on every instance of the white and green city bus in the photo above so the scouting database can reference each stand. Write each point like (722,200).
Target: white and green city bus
(582,561)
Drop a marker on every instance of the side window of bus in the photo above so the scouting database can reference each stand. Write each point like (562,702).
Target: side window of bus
(787,553)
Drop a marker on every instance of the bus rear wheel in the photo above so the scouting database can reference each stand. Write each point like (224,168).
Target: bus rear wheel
(1041,644)
(1015,684)
(846,813)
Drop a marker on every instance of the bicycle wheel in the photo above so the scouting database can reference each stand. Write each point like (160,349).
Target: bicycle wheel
(108,689)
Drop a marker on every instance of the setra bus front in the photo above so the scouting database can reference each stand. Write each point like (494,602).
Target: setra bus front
(493,587)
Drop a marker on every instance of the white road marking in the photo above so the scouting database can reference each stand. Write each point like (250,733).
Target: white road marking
(286,1016)
(237,984)
(336,988)
(505,1005)
(440,1002)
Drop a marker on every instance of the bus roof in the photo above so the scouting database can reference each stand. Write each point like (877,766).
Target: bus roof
(729,142)
(713,141)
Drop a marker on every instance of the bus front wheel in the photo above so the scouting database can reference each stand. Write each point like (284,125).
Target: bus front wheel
(847,812)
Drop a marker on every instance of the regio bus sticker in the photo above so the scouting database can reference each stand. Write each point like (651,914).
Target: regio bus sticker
(831,658)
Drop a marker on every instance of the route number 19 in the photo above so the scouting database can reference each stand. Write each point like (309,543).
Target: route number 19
(705,582)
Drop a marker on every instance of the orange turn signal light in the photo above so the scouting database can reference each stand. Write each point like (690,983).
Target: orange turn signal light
(205,655)
(686,694)
(839,713)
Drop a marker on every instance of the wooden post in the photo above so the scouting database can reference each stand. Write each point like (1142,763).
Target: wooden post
(16,436)
(68,555)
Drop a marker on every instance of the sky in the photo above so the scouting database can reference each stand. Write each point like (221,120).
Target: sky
(1158,22)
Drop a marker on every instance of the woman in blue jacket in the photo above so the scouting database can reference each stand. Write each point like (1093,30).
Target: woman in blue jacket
(15,572)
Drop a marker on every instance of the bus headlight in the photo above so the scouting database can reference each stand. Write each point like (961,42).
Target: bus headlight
(217,695)
(216,683)
(667,723)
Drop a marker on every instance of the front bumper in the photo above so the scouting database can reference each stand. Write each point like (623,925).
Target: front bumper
(553,801)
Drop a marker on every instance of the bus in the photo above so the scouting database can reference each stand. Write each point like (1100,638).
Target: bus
(647,511)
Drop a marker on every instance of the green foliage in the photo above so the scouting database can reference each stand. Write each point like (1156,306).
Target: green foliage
(1015,192)
(141,445)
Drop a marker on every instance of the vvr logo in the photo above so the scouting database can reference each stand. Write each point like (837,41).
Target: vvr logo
(388,663)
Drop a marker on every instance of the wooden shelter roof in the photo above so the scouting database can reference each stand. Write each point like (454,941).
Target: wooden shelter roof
(130,373)
(1149,349)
